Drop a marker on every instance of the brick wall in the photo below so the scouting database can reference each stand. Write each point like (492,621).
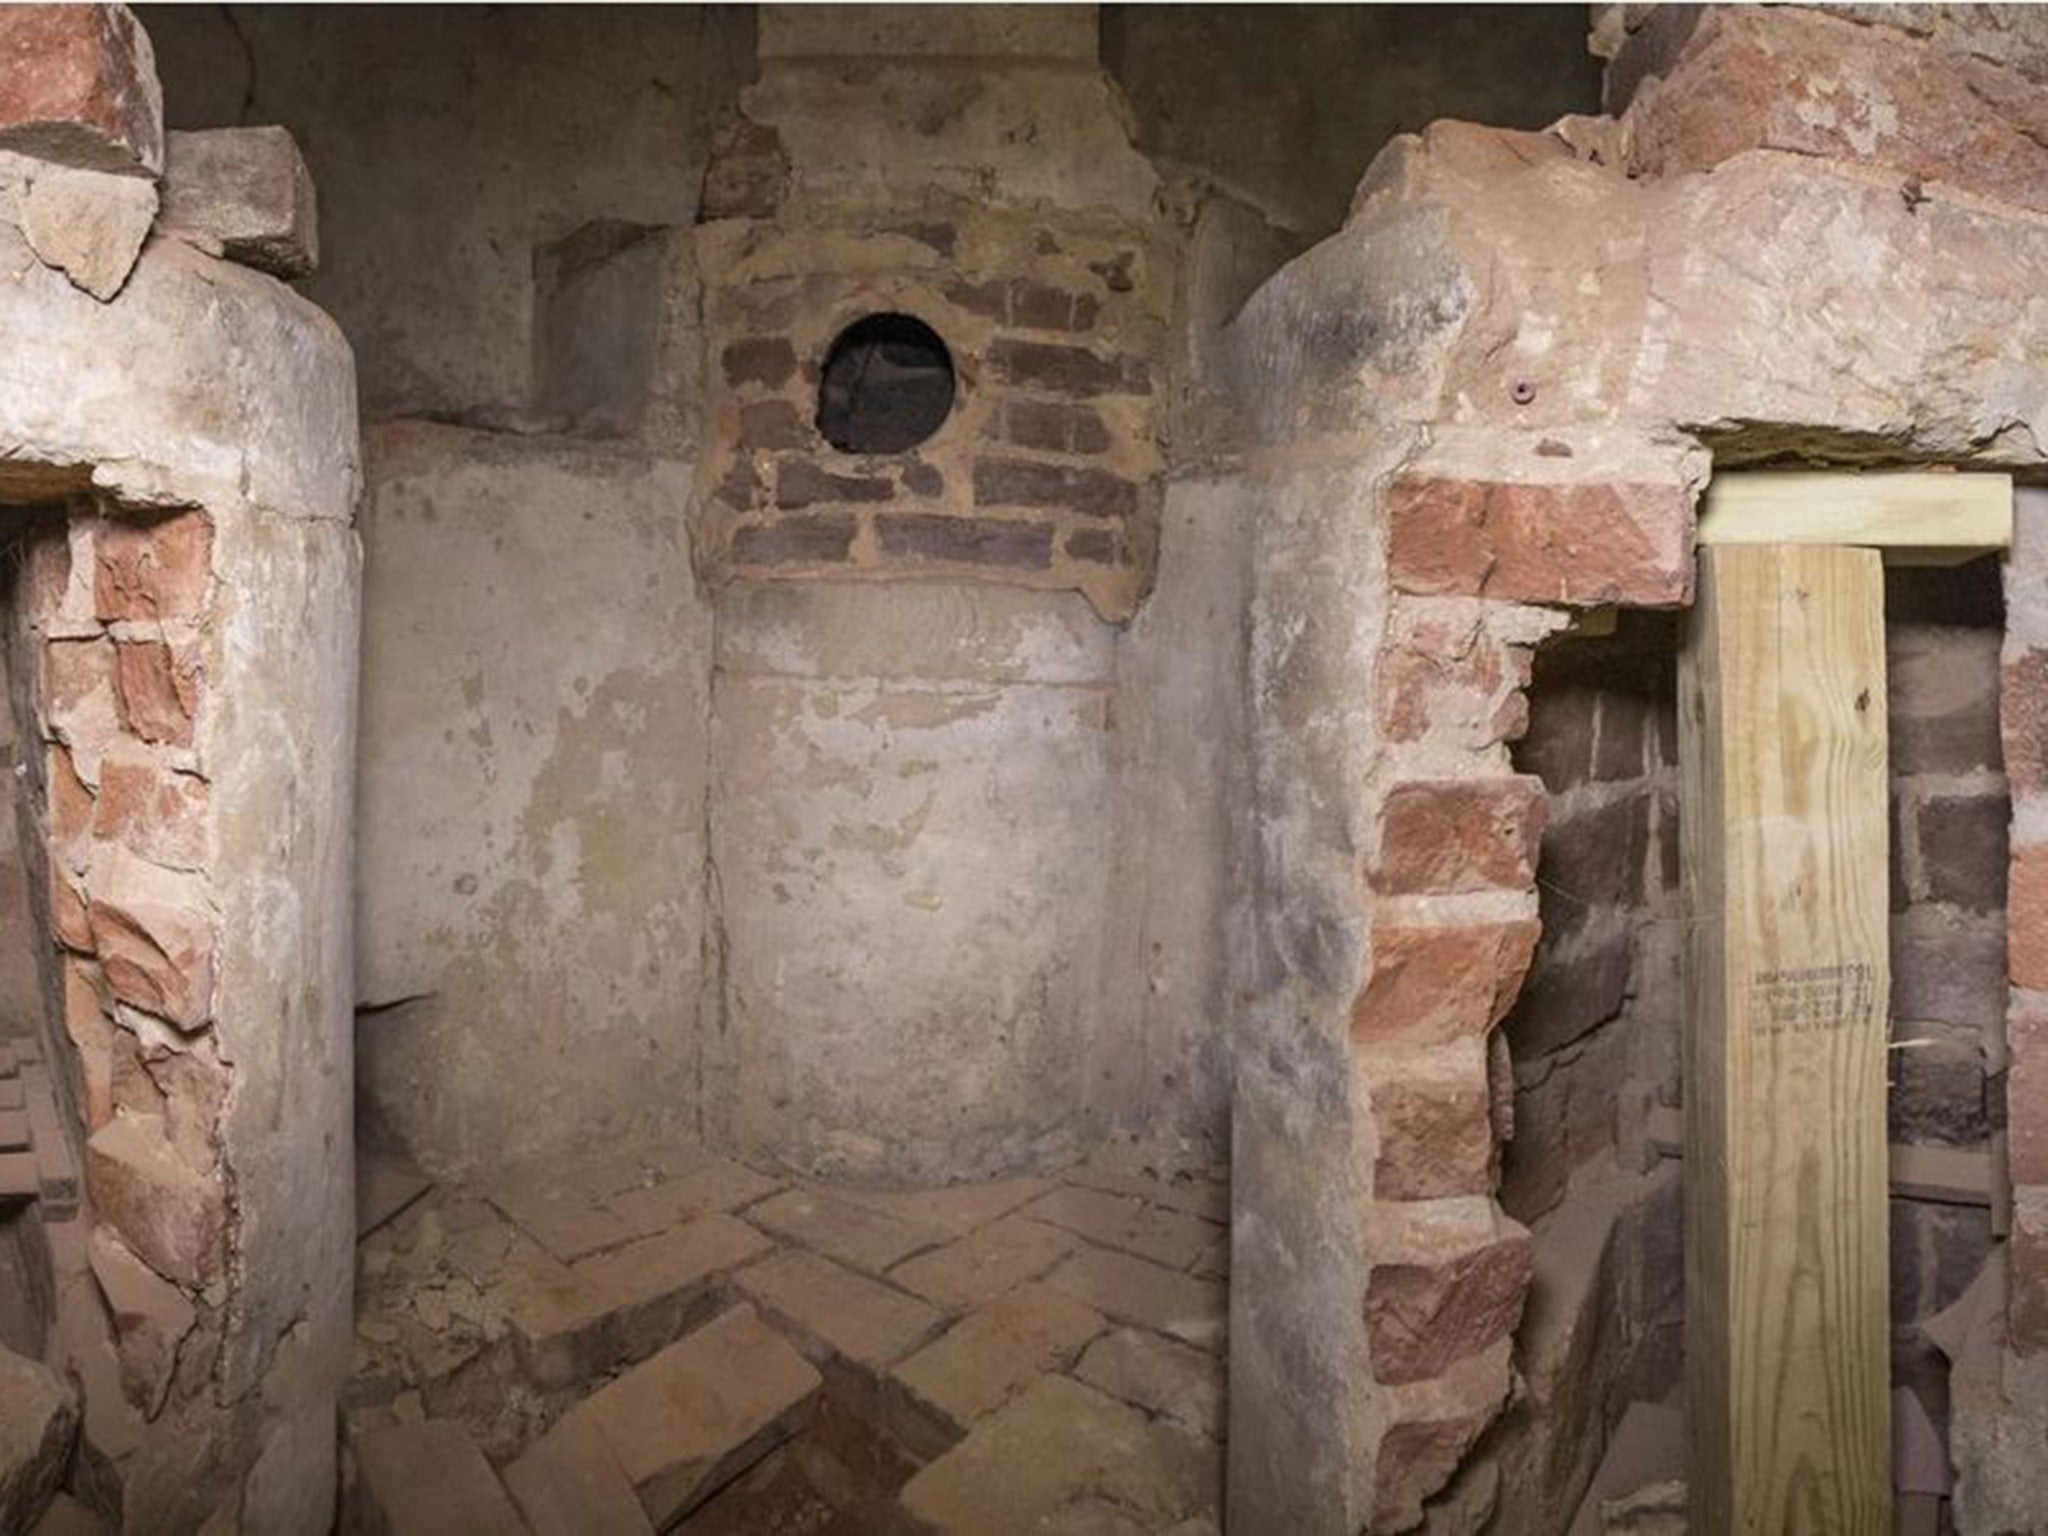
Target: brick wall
(1047,471)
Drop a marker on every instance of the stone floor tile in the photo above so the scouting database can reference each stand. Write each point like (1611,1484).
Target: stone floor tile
(717,1184)
(557,1318)
(996,1352)
(984,1264)
(852,1234)
(1133,1291)
(1125,1222)
(568,1483)
(429,1479)
(958,1208)
(831,1310)
(567,1225)
(1204,1194)
(1160,1375)
(699,1412)
(1065,1458)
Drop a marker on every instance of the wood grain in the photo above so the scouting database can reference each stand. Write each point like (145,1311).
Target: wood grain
(1784,834)
(1915,518)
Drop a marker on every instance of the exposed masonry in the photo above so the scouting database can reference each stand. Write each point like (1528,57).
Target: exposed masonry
(1048,472)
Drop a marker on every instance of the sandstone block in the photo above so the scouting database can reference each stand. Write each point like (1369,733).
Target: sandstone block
(1434,984)
(2026,1089)
(1126,1222)
(1452,678)
(1416,1458)
(1421,1318)
(1064,1456)
(852,1234)
(153,569)
(2022,719)
(1461,835)
(1571,544)
(985,1264)
(993,1354)
(1575,987)
(652,1289)
(704,1409)
(1165,1378)
(38,1419)
(1130,1290)
(78,87)
(89,225)
(2026,1317)
(1599,856)
(245,194)
(836,1314)
(429,1479)
(171,1215)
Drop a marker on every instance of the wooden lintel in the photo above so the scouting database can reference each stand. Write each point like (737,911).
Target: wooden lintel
(1918,517)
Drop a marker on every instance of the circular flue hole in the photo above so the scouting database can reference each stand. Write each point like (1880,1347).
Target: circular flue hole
(887,385)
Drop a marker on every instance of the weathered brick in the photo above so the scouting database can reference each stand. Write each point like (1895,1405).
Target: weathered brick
(1948,966)
(1435,1128)
(158,689)
(70,802)
(1422,1318)
(1052,426)
(1936,1251)
(242,193)
(1027,483)
(1558,746)
(1941,699)
(2026,1315)
(1438,838)
(2022,716)
(1042,307)
(171,1215)
(1574,988)
(1937,1086)
(1963,852)
(156,569)
(155,941)
(2027,919)
(2026,1089)
(747,175)
(1629,542)
(768,424)
(967,541)
(1431,984)
(1598,856)
(78,87)
(1454,679)
(1098,546)
(1076,372)
(70,920)
(920,479)
(801,483)
(769,361)
(1416,1458)
(152,811)
(806,540)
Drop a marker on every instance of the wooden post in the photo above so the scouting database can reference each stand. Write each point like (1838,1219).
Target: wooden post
(1784,832)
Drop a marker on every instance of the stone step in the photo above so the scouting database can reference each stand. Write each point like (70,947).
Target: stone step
(684,1423)
(428,1479)
(570,1483)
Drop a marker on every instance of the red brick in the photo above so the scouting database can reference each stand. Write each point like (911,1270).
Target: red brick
(801,483)
(1052,426)
(747,176)
(1571,992)
(1568,544)
(1432,984)
(1027,483)
(1416,1458)
(153,811)
(158,690)
(1054,369)
(1453,679)
(772,424)
(2027,919)
(2026,1089)
(1421,1319)
(823,536)
(769,361)
(1598,856)
(153,569)
(77,88)
(1435,1132)
(2026,1314)
(1439,838)
(966,540)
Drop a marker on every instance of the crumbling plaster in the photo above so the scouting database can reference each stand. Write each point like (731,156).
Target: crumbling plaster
(206,385)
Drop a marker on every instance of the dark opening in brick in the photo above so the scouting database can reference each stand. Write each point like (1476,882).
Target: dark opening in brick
(886,386)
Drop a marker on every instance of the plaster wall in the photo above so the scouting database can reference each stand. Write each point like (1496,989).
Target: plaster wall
(531,860)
